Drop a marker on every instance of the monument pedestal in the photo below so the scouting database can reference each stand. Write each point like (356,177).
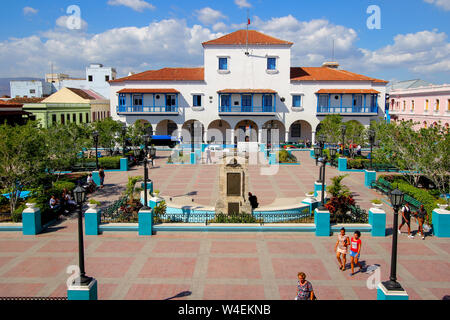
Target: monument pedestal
(385,294)
(89,292)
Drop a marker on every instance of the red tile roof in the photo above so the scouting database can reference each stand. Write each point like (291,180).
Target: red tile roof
(240,38)
(27,100)
(10,104)
(148,91)
(348,91)
(166,74)
(328,74)
(247,91)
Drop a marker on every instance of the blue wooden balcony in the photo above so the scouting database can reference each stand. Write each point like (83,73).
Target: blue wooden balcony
(247,102)
(147,109)
(347,109)
(148,101)
(347,102)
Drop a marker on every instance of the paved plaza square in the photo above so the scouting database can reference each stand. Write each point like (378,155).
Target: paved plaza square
(222,265)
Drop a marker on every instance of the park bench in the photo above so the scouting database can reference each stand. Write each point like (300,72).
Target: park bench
(415,204)
(88,166)
(380,167)
(382,185)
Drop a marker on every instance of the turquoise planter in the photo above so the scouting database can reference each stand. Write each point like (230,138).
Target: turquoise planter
(384,294)
(145,218)
(124,164)
(92,220)
(441,223)
(31,221)
(322,222)
(83,292)
(377,219)
(96,177)
(369,177)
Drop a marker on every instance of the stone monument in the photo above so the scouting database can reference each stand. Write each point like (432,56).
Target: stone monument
(233,186)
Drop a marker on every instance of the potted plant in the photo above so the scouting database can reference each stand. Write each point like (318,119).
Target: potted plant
(156,193)
(442,203)
(31,203)
(377,203)
(92,204)
(310,194)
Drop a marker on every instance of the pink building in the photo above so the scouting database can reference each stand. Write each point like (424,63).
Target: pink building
(426,105)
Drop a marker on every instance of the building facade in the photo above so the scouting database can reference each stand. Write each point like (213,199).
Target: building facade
(69,105)
(30,88)
(425,106)
(246,87)
(12,113)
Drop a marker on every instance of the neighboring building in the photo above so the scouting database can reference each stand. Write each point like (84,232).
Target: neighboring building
(30,88)
(97,79)
(426,105)
(12,113)
(407,84)
(70,105)
(246,91)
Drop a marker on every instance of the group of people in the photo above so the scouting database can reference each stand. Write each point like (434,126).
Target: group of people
(421,216)
(66,204)
(343,246)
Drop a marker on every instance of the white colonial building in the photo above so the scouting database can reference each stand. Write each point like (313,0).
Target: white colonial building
(246,86)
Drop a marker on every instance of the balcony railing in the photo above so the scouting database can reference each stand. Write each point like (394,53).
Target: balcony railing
(351,109)
(147,109)
(244,109)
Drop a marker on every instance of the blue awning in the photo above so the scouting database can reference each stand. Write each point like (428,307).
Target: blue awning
(22,195)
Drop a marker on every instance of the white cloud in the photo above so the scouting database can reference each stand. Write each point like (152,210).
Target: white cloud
(61,23)
(242,3)
(444,4)
(421,52)
(29,11)
(209,16)
(136,5)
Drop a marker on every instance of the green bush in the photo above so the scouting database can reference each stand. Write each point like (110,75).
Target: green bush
(285,157)
(16,216)
(356,163)
(59,186)
(110,162)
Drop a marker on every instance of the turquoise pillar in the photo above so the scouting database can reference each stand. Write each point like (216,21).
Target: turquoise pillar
(272,158)
(124,164)
(96,177)
(377,219)
(198,156)
(92,219)
(342,164)
(384,294)
(31,221)
(88,292)
(311,153)
(322,222)
(262,147)
(149,186)
(312,203)
(369,177)
(192,159)
(318,187)
(145,218)
(441,223)
(204,146)
(154,202)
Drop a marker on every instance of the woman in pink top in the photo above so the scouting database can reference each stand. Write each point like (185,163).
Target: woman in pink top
(341,248)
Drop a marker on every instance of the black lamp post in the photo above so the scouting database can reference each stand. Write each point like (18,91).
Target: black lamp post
(396,197)
(124,134)
(95,136)
(343,130)
(146,141)
(333,151)
(80,196)
(371,141)
(317,155)
(269,132)
(323,161)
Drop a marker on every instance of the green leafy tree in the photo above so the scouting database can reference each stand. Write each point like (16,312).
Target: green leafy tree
(136,134)
(109,132)
(23,158)
(330,128)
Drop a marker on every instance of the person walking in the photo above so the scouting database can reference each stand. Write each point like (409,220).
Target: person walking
(253,201)
(101,173)
(422,216)
(341,248)
(304,288)
(208,155)
(406,219)
(355,251)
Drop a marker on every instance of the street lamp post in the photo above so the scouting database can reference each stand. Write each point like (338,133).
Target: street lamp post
(371,141)
(80,196)
(333,151)
(146,140)
(343,130)
(323,162)
(192,137)
(95,136)
(269,132)
(396,197)
(124,133)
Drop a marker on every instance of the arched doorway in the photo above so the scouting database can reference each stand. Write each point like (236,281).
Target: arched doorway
(273,131)
(219,132)
(199,131)
(300,131)
(246,131)
(167,127)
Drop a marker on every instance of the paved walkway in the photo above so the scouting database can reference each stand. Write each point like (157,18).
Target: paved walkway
(218,265)
(214,265)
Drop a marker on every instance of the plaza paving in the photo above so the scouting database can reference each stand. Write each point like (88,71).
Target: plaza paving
(218,265)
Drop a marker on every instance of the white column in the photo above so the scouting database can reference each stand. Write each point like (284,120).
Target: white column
(286,136)
(232,136)
(205,136)
(313,137)
(260,136)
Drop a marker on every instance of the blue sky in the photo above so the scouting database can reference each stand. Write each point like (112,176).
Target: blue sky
(136,35)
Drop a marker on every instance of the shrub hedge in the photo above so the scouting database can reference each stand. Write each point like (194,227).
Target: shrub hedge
(285,157)
(356,163)
(110,162)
